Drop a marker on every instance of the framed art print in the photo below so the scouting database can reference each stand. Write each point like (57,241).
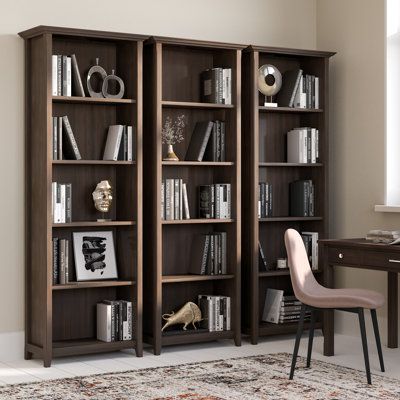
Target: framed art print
(94,255)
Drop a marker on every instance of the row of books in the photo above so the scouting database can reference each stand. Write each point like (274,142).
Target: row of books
(301,198)
(216,85)
(215,201)
(207,142)
(174,200)
(64,143)
(280,308)
(114,320)
(61,202)
(302,145)
(310,240)
(66,78)
(264,200)
(299,90)
(119,144)
(216,312)
(61,273)
(209,254)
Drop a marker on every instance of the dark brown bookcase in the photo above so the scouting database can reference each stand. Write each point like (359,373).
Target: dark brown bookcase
(264,160)
(172,69)
(61,319)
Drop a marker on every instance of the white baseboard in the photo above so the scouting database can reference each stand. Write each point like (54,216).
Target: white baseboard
(12,346)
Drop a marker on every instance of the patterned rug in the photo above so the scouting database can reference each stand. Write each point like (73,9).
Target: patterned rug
(246,378)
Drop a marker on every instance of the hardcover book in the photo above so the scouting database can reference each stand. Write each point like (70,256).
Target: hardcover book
(199,140)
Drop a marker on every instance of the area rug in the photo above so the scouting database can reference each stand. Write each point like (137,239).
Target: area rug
(245,378)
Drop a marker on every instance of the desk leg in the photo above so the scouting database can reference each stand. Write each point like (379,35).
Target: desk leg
(393,295)
(328,318)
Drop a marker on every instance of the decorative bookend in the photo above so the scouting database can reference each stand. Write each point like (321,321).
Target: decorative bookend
(95,70)
(189,314)
(120,82)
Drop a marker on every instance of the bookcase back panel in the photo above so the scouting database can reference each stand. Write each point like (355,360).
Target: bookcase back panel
(309,66)
(84,180)
(281,177)
(180,260)
(199,115)
(194,177)
(113,55)
(182,67)
(124,245)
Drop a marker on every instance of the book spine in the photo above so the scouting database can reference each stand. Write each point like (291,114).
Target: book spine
(212,255)
(66,261)
(54,90)
(311,199)
(223,150)
(163,200)
(64,75)
(129,318)
(63,203)
(62,261)
(71,137)
(317,145)
(55,261)
(59,76)
(291,101)
(228,313)
(204,259)
(180,199)
(223,252)
(60,141)
(229,200)
(212,200)
(68,202)
(130,143)
(185,202)
(217,201)
(218,129)
(77,86)
(176,198)
(316,92)
(270,204)
(308,145)
(69,77)
(168,205)
(220,86)
(55,141)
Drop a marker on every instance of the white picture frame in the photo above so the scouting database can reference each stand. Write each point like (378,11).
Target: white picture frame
(94,255)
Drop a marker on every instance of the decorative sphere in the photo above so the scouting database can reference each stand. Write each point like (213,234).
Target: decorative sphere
(269,80)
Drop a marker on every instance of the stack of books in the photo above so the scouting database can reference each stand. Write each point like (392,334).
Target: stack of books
(209,254)
(64,143)
(61,206)
(280,308)
(61,273)
(302,145)
(310,240)
(66,77)
(301,199)
(174,200)
(119,144)
(264,200)
(386,237)
(299,90)
(216,312)
(207,142)
(216,84)
(114,320)
(215,201)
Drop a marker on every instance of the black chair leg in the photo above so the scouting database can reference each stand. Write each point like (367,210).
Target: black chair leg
(364,343)
(310,337)
(297,342)
(378,339)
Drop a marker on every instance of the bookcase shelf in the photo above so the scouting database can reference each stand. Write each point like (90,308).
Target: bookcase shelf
(92,284)
(91,100)
(264,159)
(172,75)
(61,319)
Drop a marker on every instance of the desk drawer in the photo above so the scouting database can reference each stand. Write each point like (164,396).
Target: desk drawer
(381,260)
(344,256)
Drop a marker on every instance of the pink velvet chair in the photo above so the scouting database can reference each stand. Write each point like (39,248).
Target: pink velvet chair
(316,297)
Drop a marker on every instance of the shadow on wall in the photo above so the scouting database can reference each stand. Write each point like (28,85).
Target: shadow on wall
(12,240)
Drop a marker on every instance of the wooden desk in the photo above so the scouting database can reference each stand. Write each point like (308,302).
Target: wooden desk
(359,253)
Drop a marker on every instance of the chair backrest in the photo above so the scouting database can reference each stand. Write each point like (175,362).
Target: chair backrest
(303,280)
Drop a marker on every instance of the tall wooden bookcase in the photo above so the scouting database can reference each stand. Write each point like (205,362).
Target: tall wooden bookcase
(172,70)
(61,319)
(264,160)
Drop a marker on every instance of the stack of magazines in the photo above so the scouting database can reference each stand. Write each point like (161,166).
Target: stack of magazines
(386,237)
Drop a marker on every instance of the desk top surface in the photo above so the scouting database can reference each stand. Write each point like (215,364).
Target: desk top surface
(360,243)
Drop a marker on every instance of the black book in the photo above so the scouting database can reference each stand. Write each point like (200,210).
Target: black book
(211,149)
(262,260)
(223,151)
(199,255)
(69,146)
(199,140)
(76,76)
(290,82)
(299,192)
(55,261)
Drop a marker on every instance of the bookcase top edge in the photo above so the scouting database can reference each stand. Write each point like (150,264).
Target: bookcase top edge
(57,30)
(195,43)
(289,51)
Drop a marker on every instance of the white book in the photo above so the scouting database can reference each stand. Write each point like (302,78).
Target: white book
(54,84)
(169,200)
(272,304)
(53,200)
(104,322)
(313,145)
(130,143)
(228,199)
(113,143)
(63,203)
(227,85)
(69,77)
(228,313)
(126,319)
(317,144)
(316,86)
(57,207)
(163,200)
(180,199)
(185,202)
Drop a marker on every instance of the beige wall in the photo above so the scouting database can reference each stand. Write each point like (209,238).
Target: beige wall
(290,23)
(356,30)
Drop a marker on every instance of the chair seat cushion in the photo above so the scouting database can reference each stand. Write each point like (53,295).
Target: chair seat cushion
(322,297)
